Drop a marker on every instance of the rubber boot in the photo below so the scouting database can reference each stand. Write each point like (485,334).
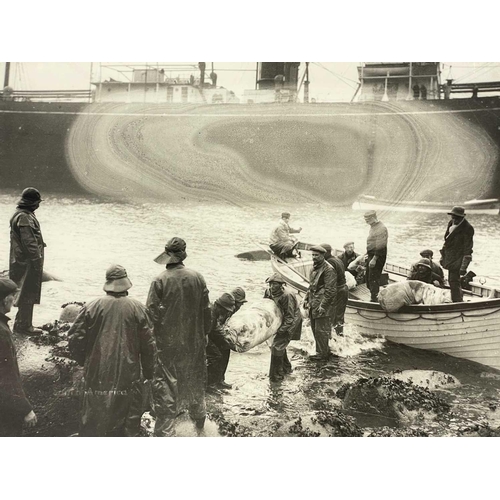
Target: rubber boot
(276,368)
(287,366)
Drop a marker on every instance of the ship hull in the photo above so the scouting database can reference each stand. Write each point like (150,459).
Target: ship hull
(433,151)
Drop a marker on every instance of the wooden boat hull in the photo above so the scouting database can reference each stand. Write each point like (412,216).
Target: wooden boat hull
(468,330)
(484,207)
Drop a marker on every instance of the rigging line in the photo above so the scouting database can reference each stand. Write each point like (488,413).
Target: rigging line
(482,71)
(342,79)
(471,73)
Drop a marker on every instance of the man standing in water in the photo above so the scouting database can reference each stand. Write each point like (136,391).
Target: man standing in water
(280,241)
(113,339)
(26,259)
(180,308)
(290,328)
(456,254)
(15,409)
(320,300)
(376,248)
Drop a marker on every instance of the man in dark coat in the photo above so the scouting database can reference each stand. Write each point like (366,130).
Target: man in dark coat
(218,348)
(112,337)
(180,308)
(456,254)
(422,271)
(15,409)
(320,301)
(376,248)
(26,259)
(341,293)
(290,328)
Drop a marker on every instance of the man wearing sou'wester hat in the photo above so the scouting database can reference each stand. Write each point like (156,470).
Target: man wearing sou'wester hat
(26,259)
(112,337)
(179,305)
(456,254)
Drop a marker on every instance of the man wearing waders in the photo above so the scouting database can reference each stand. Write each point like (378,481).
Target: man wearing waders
(179,306)
(290,328)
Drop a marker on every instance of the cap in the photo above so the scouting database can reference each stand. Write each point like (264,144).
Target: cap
(459,211)
(226,300)
(276,277)
(348,244)
(426,252)
(424,262)
(117,279)
(327,247)
(239,294)
(7,286)
(370,213)
(317,248)
(285,214)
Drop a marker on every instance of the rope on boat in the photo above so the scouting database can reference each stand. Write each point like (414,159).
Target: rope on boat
(421,316)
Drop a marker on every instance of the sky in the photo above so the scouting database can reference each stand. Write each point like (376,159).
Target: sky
(329,81)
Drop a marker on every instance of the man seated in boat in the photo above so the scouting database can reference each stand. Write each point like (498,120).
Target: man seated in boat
(422,271)
(348,255)
(436,268)
(358,268)
(280,241)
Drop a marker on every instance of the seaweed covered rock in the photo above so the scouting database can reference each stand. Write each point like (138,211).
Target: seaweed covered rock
(391,398)
(430,379)
(396,432)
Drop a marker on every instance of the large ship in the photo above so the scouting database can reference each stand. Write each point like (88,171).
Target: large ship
(405,136)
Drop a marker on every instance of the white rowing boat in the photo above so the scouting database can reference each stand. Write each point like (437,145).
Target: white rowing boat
(469,329)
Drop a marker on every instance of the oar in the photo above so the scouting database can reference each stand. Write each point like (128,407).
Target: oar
(281,261)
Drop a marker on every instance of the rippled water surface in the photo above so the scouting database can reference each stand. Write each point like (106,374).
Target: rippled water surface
(85,236)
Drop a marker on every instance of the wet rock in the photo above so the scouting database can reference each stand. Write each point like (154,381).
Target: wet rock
(480,429)
(430,379)
(396,432)
(228,428)
(391,398)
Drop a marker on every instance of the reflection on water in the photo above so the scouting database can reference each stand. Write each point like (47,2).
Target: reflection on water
(84,238)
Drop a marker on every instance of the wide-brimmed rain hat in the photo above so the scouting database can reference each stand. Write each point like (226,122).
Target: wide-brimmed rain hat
(239,294)
(276,278)
(459,211)
(424,262)
(116,279)
(30,196)
(226,300)
(175,251)
(7,287)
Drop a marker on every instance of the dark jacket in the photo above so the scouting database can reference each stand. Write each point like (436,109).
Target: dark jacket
(376,243)
(322,290)
(346,260)
(179,305)
(428,276)
(113,338)
(14,404)
(288,304)
(339,268)
(216,333)
(457,245)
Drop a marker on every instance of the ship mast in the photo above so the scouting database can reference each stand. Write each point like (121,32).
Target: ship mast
(7,74)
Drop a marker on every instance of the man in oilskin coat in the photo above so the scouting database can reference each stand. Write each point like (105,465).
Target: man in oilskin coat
(179,305)
(112,337)
(15,409)
(456,254)
(320,301)
(26,259)
(290,328)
